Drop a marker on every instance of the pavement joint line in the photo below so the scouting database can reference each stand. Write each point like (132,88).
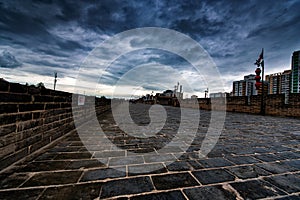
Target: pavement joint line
(186,197)
(150,177)
(195,178)
(229,188)
(123,178)
(81,175)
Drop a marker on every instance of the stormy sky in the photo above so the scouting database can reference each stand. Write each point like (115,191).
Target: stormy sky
(38,38)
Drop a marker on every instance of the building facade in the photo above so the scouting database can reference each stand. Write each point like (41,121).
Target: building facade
(245,87)
(295,82)
(279,83)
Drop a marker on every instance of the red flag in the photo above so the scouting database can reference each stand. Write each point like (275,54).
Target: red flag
(260,58)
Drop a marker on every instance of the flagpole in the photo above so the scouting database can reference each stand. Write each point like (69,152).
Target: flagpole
(262,106)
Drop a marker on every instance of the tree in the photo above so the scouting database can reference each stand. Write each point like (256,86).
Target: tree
(40,85)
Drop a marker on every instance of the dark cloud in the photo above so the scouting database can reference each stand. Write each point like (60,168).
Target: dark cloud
(7,60)
(232,32)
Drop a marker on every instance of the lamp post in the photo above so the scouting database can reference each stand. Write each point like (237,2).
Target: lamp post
(260,62)
(55,79)
(206,93)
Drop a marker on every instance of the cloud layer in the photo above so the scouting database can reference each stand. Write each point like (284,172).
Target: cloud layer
(39,38)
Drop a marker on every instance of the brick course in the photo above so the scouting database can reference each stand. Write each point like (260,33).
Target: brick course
(32,117)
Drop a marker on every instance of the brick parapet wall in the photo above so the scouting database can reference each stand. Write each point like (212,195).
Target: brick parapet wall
(275,104)
(32,117)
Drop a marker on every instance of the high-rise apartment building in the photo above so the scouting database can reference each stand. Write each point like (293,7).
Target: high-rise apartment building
(245,87)
(286,81)
(279,83)
(295,81)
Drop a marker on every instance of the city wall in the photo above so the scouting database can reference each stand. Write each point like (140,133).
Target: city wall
(274,104)
(32,117)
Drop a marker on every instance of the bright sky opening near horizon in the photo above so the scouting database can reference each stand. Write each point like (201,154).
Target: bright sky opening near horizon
(39,38)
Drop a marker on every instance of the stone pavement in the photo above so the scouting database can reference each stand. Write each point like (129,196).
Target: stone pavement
(256,157)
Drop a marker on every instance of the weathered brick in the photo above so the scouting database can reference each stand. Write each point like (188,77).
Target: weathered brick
(4,85)
(4,130)
(6,150)
(9,97)
(41,98)
(8,160)
(8,119)
(28,141)
(34,90)
(29,124)
(30,107)
(8,108)
(17,88)
(24,116)
(52,106)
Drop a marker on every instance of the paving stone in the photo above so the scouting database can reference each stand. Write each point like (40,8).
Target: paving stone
(213,176)
(291,197)
(170,181)
(29,194)
(239,160)
(65,149)
(108,154)
(126,186)
(245,172)
(155,168)
(159,158)
(100,174)
(82,191)
(72,156)
(44,166)
(293,163)
(276,167)
(196,165)
(209,192)
(288,155)
(46,156)
(288,182)
(267,157)
(170,150)
(256,189)
(79,164)
(214,162)
(173,195)
(178,166)
(53,178)
(129,160)
(13,180)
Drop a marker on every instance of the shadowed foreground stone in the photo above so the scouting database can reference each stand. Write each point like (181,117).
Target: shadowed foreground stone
(255,157)
(256,189)
(209,192)
(83,191)
(126,186)
(171,181)
(213,176)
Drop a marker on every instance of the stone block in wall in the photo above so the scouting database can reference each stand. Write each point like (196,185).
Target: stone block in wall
(34,90)
(8,119)
(6,150)
(24,116)
(9,97)
(4,85)
(17,88)
(11,158)
(52,106)
(45,98)
(28,141)
(8,108)
(31,107)
(6,129)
